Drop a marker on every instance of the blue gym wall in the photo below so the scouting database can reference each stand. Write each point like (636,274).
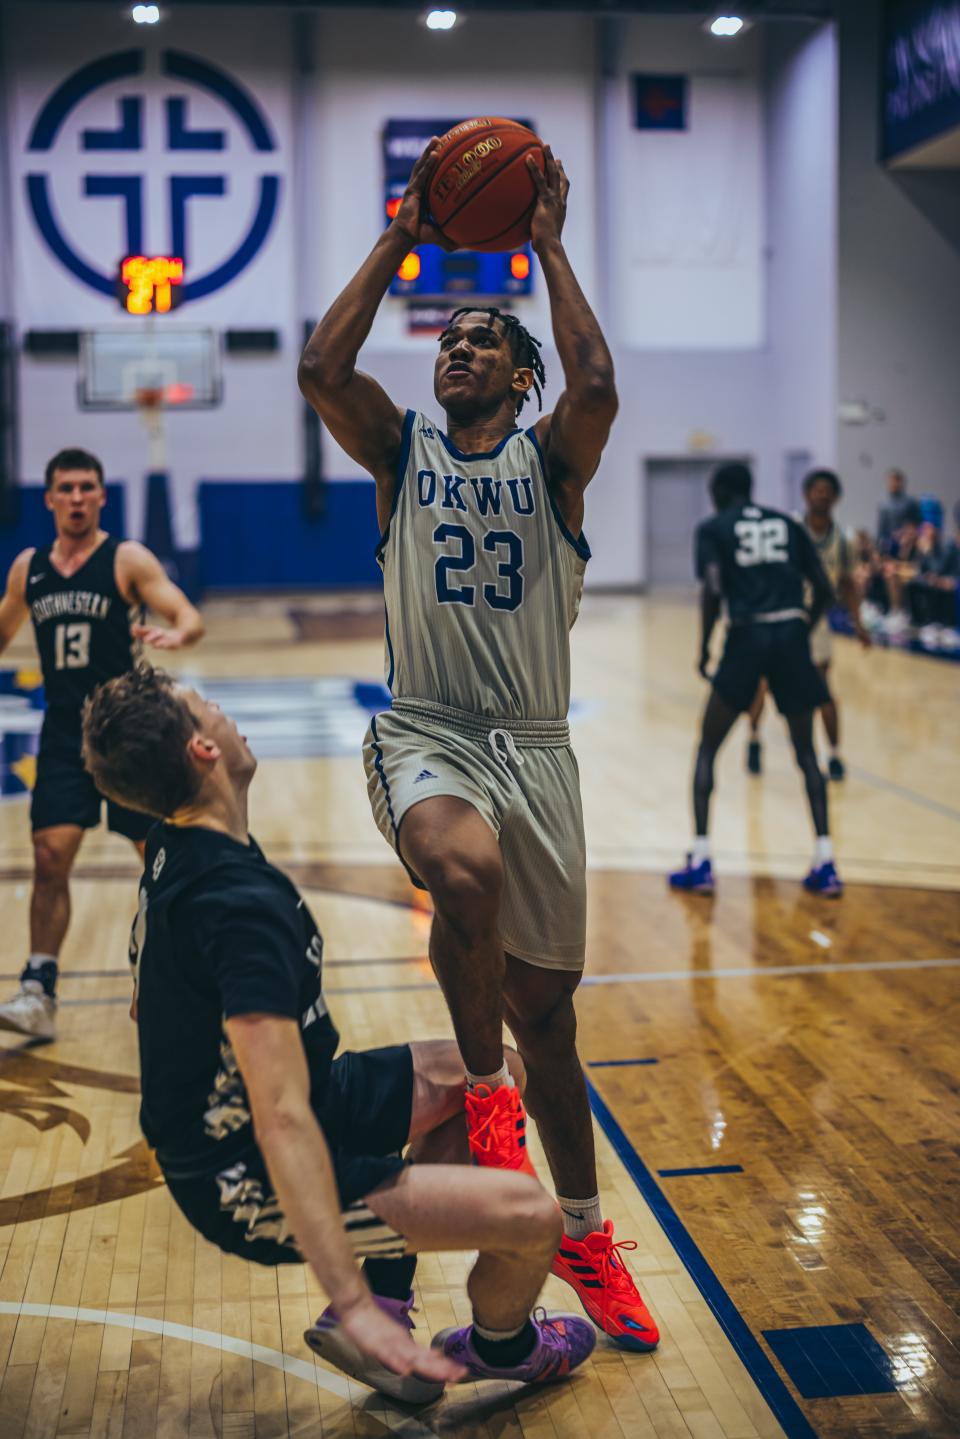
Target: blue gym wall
(255,534)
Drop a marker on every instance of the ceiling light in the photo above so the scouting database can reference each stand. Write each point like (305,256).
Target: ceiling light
(726,25)
(146,14)
(441,19)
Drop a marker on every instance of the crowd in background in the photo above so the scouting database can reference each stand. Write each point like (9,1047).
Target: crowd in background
(909,573)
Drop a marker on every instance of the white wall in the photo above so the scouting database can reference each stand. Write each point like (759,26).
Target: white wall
(899,306)
(686,208)
(801,156)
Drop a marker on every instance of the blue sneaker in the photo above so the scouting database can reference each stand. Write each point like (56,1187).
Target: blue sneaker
(564,1341)
(823,879)
(695,878)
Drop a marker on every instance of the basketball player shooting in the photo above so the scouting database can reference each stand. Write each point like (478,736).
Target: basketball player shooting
(80,593)
(470,773)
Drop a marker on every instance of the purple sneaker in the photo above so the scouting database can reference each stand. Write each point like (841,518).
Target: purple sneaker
(564,1342)
(329,1340)
(694,878)
(823,879)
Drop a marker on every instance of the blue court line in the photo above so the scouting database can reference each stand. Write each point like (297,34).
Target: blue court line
(618,1063)
(701,1169)
(782,1404)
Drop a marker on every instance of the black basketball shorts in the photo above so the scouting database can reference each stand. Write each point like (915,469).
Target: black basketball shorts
(65,794)
(779,653)
(365,1116)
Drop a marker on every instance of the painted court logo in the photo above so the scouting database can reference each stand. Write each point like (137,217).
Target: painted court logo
(151,118)
(45,1094)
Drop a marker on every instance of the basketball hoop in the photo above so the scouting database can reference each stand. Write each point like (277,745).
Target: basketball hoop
(149,400)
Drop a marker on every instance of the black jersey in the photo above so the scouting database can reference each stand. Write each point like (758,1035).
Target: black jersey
(219,932)
(763,557)
(82,626)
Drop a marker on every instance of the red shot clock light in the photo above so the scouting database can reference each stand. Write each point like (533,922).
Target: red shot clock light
(149,284)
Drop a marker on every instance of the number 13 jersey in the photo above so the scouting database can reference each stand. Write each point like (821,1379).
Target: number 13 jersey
(482,579)
(82,628)
(763,557)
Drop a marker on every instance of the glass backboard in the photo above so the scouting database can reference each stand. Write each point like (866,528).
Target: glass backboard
(119,362)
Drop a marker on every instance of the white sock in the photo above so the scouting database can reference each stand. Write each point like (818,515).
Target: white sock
(492,1081)
(580,1216)
(36,960)
(699,849)
(834,751)
(822,849)
(498,1336)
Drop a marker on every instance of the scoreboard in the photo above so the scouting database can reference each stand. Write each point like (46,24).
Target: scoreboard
(149,284)
(429,272)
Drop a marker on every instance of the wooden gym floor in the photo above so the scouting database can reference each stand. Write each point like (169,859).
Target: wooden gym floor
(774,1077)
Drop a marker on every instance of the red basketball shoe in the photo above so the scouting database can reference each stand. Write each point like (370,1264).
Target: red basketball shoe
(497,1128)
(595,1268)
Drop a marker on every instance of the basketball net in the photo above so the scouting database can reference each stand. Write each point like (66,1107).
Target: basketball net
(149,402)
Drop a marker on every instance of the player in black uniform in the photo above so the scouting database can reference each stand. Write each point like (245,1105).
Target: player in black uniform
(262,1135)
(79,592)
(758,560)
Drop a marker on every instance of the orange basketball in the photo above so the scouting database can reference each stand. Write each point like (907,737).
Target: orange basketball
(481,194)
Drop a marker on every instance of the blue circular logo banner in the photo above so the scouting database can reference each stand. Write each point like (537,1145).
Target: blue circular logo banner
(184,72)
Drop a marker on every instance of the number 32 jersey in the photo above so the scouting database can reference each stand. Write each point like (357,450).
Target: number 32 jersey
(482,579)
(82,627)
(763,556)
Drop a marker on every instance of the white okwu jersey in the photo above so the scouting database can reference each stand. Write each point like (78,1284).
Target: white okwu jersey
(482,579)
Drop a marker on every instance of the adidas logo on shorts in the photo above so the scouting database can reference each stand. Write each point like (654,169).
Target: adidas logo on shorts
(425,774)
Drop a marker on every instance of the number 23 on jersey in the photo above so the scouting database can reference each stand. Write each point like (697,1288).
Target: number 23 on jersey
(506,594)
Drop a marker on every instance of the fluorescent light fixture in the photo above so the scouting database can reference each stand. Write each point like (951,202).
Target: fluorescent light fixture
(441,19)
(146,14)
(726,25)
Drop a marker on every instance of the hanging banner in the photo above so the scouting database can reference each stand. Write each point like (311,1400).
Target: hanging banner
(921,80)
(169,140)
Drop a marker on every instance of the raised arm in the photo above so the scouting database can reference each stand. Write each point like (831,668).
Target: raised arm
(270,1054)
(143,580)
(357,411)
(13,607)
(573,436)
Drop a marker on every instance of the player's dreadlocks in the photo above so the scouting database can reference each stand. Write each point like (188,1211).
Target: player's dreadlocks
(523,347)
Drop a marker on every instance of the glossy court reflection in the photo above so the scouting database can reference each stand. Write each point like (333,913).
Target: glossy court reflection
(772,1079)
